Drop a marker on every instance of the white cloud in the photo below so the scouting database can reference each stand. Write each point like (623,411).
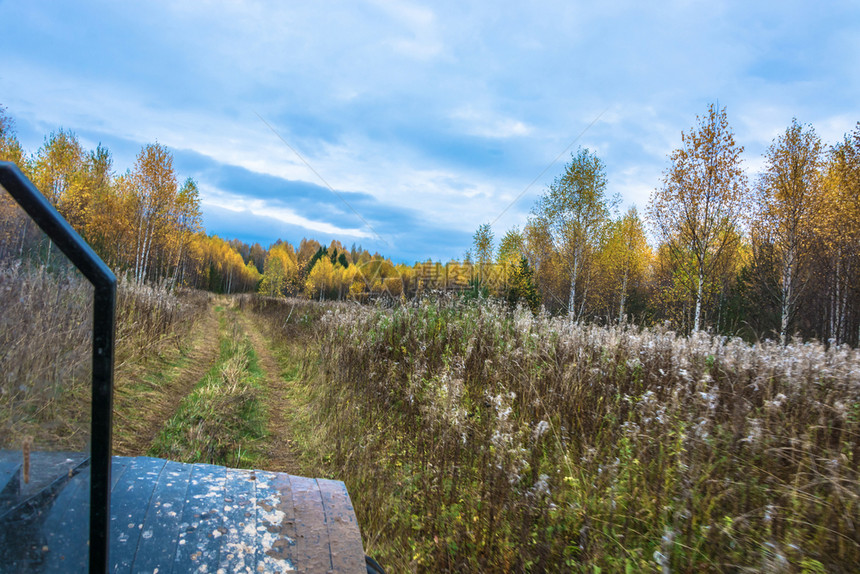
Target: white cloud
(833,128)
(371,93)
(487,125)
(240,204)
(422,40)
(634,185)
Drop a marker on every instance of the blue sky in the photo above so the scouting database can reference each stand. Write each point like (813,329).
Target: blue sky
(428,119)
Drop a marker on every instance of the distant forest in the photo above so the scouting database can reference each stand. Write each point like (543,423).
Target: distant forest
(774,256)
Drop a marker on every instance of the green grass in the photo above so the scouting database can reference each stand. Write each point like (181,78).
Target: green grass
(223,420)
(145,381)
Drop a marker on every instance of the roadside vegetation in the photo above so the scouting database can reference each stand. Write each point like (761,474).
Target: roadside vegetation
(476,438)
(770,252)
(45,347)
(472,436)
(45,337)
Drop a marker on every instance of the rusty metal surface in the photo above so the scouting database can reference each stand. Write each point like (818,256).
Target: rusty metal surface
(347,552)
(313,547)
(276,523)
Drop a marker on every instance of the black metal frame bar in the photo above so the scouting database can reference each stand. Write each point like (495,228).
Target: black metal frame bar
(104,315)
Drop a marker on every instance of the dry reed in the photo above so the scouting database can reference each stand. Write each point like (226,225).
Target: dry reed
(46,342)
(474,438)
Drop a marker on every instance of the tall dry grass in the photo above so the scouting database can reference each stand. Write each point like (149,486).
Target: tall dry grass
(473,438)
(45,342)
(152,317)
(46,346)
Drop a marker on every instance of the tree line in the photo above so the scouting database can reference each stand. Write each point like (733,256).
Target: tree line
(147,225)
(775,257)
(143,223)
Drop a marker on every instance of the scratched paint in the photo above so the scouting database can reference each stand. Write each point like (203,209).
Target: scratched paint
(201,521)
(239,548)
(347,552)
(275,527)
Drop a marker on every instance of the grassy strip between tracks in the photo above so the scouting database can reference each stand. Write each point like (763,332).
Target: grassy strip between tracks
(223,420)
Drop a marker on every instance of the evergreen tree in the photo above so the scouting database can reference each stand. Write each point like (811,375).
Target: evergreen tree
(521,286)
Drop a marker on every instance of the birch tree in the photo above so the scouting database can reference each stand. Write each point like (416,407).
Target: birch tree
(511,247)
(13,221)
(572,211)
(321,279)
(624,258)
(840,236)
(789,197)
(185,221)
(280,272)
(701,201)
(10,148)
(483,244)
(155,186)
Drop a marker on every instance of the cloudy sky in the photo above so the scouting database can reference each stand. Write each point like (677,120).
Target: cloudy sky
(426,119)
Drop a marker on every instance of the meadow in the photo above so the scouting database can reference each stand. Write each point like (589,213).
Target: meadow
(472,436)
(476,438)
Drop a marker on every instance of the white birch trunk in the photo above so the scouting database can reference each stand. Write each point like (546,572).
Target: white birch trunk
(584,297)
(837,300)
(571,304)
(699,290)
(138,251)
(623,295)
(787,294)
(144,264)
(842,319)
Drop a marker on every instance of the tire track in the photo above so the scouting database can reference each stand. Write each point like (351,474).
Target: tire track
(136,424)
(280,453)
